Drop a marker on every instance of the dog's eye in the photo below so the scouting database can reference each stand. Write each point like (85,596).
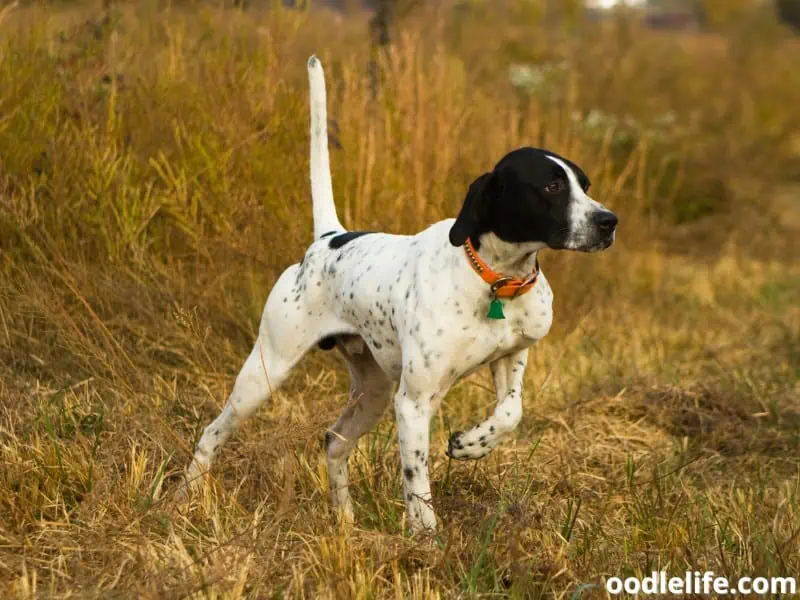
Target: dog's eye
(586,189)
(553,188)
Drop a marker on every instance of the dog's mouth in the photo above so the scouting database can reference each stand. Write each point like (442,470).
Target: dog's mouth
(595,244)
(595,233)
(600,235)
(598,245)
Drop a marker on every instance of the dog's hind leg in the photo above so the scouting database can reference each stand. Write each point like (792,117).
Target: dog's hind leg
(262,373)
(286,333)
(370,392)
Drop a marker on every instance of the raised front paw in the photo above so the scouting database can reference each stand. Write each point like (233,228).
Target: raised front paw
(461,447)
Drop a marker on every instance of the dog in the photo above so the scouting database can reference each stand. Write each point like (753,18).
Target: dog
(422,311)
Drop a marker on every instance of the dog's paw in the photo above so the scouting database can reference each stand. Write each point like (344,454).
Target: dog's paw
(454,444)
(344,516)
(460,447)
(191,484)
(183,493)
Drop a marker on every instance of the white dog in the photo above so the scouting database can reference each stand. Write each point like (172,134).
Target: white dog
(422,310)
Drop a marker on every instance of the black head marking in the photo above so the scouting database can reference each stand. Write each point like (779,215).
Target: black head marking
(526,198)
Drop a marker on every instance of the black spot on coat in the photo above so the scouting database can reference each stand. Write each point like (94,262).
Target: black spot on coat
(341,239)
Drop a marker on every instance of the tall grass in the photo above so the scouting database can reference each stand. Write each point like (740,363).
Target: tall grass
(153,184)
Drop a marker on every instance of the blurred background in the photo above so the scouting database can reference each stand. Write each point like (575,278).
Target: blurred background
(154,184)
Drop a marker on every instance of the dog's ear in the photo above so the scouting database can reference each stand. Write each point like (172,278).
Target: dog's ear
(475,208)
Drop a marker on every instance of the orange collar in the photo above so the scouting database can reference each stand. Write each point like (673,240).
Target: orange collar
(502,286)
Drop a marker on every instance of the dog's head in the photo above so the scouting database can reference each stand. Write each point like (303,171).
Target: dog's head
(533,195)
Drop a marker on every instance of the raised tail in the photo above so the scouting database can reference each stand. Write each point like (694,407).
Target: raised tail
(325,219)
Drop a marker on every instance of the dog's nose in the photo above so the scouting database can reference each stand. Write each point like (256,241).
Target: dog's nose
(605,220)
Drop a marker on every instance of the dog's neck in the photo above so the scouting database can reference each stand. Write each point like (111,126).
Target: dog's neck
(505,258)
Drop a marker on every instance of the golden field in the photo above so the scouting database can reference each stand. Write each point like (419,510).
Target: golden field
(154,184)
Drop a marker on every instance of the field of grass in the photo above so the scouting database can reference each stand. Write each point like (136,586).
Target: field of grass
(153,185)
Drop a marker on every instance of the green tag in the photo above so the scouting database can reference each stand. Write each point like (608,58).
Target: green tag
(496,310)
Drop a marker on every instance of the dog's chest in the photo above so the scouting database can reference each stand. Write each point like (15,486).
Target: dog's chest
(451,339)
(527,320)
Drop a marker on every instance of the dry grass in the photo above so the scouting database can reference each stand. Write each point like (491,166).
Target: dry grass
(152,186)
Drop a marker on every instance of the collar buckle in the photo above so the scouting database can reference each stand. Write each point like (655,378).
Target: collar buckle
(500,283)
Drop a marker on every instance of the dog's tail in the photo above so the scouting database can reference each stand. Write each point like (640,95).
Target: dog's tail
(325,219)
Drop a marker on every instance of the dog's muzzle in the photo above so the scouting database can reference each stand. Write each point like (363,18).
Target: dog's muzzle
(603,229)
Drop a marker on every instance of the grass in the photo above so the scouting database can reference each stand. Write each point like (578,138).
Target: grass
(153,184)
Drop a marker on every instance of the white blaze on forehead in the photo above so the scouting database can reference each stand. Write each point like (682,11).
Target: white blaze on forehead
(576,190)
(580,206)
(574,184)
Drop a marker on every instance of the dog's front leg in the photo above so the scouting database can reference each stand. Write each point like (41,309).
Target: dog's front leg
(508,373)
(413,411)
